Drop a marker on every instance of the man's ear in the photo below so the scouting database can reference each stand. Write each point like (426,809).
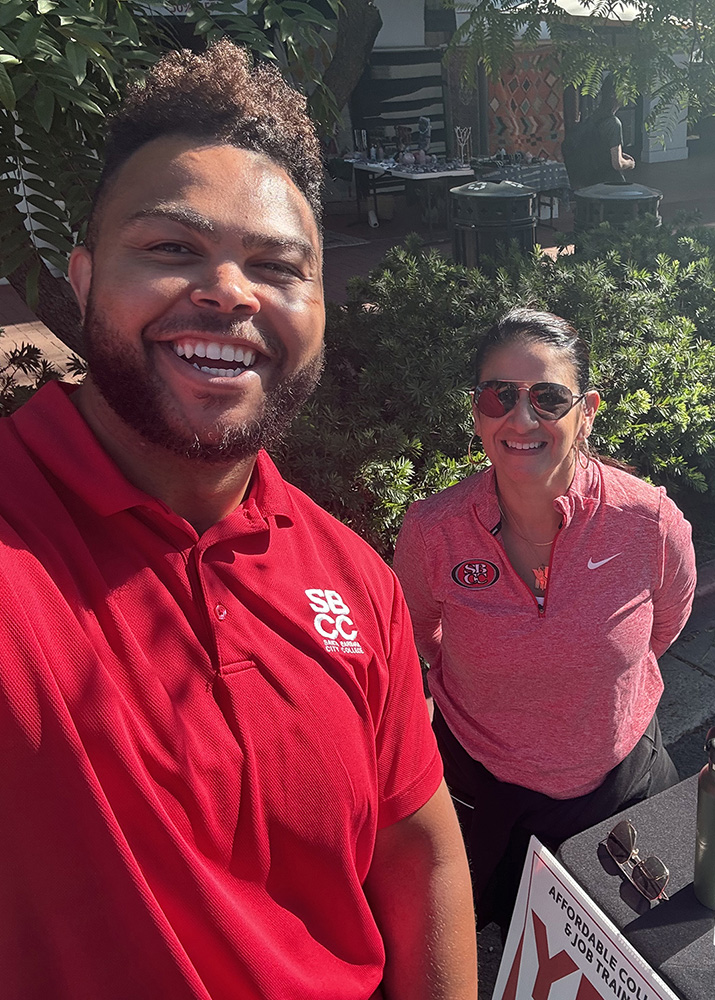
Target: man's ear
(80,275)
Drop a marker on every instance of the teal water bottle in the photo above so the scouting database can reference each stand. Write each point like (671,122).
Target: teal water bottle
(704,880)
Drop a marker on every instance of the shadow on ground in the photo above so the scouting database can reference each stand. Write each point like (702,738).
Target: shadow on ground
(490,952)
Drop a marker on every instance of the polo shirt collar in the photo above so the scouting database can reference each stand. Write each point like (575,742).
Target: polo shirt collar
(54,430)
(268,490)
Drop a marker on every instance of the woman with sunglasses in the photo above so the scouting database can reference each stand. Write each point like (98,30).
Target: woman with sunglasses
(542,590)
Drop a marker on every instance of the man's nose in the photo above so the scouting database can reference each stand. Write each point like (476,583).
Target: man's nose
(227,288)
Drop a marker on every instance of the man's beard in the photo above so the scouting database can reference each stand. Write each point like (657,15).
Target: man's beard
(135,393)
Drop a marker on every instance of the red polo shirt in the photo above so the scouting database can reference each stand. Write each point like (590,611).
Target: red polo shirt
(199,736)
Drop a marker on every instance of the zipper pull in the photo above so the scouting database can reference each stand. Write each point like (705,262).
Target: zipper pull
(542,611)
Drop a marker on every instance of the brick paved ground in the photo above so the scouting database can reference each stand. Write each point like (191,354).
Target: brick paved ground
(20,326)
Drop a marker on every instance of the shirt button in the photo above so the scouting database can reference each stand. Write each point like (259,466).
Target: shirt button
(220,612)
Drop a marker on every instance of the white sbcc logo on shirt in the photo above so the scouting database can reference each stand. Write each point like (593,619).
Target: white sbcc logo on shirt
(333,622)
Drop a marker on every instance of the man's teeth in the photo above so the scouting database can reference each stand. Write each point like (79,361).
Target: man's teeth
(524,445)
(214,352)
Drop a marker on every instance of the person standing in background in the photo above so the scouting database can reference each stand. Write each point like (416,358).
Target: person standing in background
(610,159)
(593,148)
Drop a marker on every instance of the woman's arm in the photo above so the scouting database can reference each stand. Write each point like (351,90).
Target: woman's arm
(673,596)
(411,565)
(612,134)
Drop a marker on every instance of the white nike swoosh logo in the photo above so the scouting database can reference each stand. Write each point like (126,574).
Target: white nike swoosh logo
(595,565)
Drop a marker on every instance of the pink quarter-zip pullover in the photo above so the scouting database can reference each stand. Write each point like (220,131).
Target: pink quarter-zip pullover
(548,698)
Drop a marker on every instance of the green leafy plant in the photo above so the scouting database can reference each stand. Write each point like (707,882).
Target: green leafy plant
(677,260)
(662,49)
(391,421)
(62,65)
(23,370)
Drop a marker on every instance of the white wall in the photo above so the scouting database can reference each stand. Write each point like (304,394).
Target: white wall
(403,24)
(673,146)
(668,141)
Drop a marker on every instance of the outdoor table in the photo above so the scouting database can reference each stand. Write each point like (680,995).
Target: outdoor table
(444,178)
(675,936)
(367,173)
(415,175)
(550,180)
(539,176)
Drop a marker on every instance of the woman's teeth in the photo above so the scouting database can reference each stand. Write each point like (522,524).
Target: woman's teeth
(525,445)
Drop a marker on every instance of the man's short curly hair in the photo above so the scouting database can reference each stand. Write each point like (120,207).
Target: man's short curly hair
(218,96)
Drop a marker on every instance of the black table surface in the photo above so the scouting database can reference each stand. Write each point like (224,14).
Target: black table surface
(675,937)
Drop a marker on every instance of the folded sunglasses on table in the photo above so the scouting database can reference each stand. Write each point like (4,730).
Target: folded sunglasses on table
(649,875)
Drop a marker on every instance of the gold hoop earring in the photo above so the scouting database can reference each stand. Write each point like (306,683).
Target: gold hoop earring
(470,457)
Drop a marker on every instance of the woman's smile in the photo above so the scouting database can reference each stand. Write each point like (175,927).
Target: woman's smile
(525,445)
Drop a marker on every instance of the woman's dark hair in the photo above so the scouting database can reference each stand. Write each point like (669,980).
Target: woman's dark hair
(525,325)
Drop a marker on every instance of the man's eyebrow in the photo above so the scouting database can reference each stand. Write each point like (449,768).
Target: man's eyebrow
(260,241)
(178,213)
(201,224)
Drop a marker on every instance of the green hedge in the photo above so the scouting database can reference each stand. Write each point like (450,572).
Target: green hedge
(390,422)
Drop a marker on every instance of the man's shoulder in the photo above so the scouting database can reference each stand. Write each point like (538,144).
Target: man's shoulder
(17,460)
(612,131)
(44,444)
(325,530)
(45,416)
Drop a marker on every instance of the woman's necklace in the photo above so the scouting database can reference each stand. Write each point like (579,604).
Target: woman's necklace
(541,571)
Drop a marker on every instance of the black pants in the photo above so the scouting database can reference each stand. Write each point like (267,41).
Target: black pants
(498,818)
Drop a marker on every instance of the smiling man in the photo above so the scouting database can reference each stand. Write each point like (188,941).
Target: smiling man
(204,316)
(218,772)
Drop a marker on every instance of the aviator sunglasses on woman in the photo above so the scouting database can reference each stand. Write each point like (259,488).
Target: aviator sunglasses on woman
(550,400)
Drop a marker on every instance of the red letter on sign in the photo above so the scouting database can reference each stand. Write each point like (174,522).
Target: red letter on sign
(513,980)
(551,969)
(587,991)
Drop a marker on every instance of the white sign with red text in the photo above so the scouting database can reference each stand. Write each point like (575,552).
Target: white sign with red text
(562,947)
